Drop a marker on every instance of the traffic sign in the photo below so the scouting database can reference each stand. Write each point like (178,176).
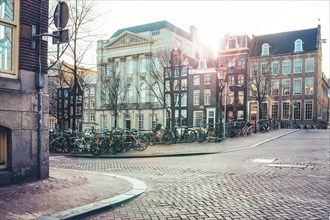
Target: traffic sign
(61,15)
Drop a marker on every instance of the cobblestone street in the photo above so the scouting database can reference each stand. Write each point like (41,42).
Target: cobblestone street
(286,178)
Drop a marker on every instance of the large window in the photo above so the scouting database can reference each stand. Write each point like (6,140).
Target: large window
(285,110)
(275,68)
(274,110)
(308,109)
(198,118)
(8,38)
(297,86)
(207,97)
(275,84)
(286,66)
(309,86)
(297,66)
(196,97)
(141,122)
(309,65)
(196,80)
(286,87)
(264,110)
(296,110)
(207,79)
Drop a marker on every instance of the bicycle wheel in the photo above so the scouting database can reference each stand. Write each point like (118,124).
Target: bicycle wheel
(200,136)
(142,143)
(95,150)
(168,138)
(191,136)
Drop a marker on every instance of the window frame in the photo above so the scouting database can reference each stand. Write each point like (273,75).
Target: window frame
(306,79)
(14,25)
(265,49)
(298,46)
(286,67)
(296,66)
(306,64)
(295,88)
(306,102)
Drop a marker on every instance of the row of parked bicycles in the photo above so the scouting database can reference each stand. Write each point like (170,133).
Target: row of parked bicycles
(120,140)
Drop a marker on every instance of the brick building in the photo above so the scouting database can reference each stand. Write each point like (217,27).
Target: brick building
(297,89)
(22,157)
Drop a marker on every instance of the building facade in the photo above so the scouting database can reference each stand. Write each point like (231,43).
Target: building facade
(89,122)
(23,138)
(132,53)
(295,89)
(233,56)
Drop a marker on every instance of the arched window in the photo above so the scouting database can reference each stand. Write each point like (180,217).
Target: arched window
(265,49)
(298,46)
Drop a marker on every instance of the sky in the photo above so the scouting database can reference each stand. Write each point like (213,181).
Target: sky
(214,19)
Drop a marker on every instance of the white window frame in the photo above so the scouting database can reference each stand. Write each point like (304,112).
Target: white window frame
(286,66)
(275,70)
(196,96)
(306,102)
(306,84)
(196,80)
(275,82)
(265,49)
(297,87)
(298,46)
(311,69)
(197,118)
(207,97)
(207,79)
(272,112)
(288,111)
(284,86)
(297,66)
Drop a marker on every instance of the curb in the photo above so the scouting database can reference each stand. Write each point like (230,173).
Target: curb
(77,213)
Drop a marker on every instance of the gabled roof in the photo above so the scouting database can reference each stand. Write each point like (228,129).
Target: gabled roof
(154,26)
(283,43)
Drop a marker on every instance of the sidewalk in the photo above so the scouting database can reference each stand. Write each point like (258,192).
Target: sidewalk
(66,194)
(70,194)
(195,148)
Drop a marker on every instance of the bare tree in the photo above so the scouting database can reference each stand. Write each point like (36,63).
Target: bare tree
(114,91)
(259,80)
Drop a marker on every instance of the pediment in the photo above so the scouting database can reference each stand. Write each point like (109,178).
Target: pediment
(127,39)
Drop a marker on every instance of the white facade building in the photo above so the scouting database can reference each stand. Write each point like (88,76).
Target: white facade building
(130,50)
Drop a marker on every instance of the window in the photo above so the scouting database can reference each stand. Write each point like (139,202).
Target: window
(167,86)
(274,110)
(184,99)
(285,110)
(141,122)
(254,69)
(296,110)
(143,93)
(275,68)
(297,66)
(86,92)
(264,68)
(198,118)
(143,65)
(231,62)
(167,72)
(308,109)
(231,80)
(184,71)
(264,110)
(155,33)
(207,97)
(275,84)
(222,62)
(9,38)
(129,95)
(231,98)
(156,92)
(176,85)
(241,97)
(241,79)
(4,134)
(286,87)
(129,66)
(196,80)
(92,103)
(297,86)
(104,122)
(232,44)
(154,121)
(265,49)
(309,65)
(286,66)
(196,97)
(309,86)
(263,87)
(176,72)
(86,103)
(298,46)
(207,79)
(241,62)
(92,116)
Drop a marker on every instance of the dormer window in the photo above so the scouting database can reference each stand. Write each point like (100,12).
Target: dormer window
(265,49)
(298,46)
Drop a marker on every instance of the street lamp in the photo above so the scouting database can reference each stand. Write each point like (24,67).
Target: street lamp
(221,73)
